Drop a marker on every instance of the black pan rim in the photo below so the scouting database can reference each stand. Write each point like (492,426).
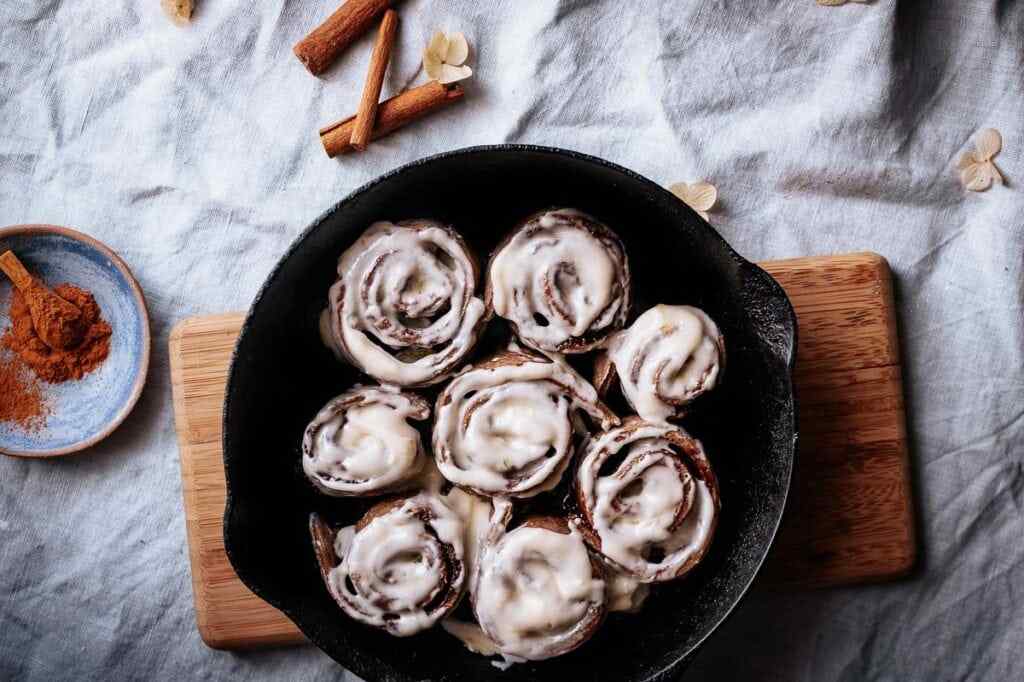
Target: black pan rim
(789,360)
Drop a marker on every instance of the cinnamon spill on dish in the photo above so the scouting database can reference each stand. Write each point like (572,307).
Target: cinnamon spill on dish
(21,399)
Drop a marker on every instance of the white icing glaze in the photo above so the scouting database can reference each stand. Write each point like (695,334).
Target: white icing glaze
(659,497)
(562,279)
(667,357)
(472,635)
(538,595)
(477,517)
(625,592)
(403,309)
(326,335)
(361,443)
(507,428)
(400,572)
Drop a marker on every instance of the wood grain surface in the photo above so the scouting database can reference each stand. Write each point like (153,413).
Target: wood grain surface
(850,515)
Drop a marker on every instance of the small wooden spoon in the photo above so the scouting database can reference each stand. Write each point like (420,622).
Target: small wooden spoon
(57,322)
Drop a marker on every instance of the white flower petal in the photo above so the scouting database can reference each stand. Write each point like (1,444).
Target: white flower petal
(967,159)
(438,46)
(702,196)
(989,143)
(432,64)
(976,178)
(704,215)
(994,172)
(451,74)
(458,50)
(680,189)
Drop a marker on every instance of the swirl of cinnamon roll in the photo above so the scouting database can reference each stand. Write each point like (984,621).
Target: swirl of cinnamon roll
(403,309)
(562,280)
(664,360)
(401,568)
(508,426)
(648,499)
(541,594)
(361,443)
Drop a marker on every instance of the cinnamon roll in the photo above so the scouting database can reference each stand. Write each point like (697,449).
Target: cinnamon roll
(562,280)
(361,443)
(664,360)
(648,499)
(541,594)
(509,426)
(403,309)
(401,568)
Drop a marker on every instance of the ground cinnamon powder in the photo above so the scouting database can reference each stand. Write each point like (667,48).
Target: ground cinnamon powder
(21,400)
(53,365)
(58,322)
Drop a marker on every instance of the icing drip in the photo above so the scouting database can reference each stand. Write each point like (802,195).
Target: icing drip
(540,594)
(361,443)
(655,513)
(625,592)
(403,309)
(472,635)
(562,280)
(667,357)
(508,426)
(403,570)
(476,514)
(326,335)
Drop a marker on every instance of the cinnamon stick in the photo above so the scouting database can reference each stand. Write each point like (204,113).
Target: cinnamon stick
(392,114)
(366,114)
(321,47)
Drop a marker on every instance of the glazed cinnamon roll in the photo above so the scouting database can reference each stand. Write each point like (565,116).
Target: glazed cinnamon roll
(509,426)
(361,443)
(401,568)
(541,594)
(648,499)
(562,280)
(403,309)
(664,360)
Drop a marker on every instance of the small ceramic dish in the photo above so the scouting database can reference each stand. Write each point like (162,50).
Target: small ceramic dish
(83,412)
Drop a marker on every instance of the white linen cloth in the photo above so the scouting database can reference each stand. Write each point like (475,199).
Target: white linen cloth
(193,152)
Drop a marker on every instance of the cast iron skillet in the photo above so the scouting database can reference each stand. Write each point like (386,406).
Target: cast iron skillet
(281,375)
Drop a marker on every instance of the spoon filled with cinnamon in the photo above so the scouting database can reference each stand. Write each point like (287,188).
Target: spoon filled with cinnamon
(58,322)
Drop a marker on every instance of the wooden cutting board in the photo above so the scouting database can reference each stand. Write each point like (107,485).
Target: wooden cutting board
(850,516)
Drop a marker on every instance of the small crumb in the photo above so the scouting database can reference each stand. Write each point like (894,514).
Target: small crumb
(179,11)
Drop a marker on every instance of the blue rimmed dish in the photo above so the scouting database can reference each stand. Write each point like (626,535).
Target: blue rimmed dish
(80,413)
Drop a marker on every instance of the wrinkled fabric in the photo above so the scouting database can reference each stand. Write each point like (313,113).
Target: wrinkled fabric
(193,152)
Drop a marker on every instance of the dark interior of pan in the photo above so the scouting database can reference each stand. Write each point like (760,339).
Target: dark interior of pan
(281,375)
